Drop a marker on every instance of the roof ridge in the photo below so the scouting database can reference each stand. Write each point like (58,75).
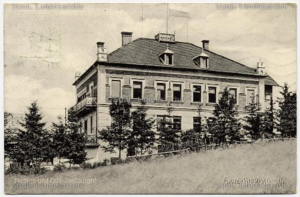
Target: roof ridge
(116,50)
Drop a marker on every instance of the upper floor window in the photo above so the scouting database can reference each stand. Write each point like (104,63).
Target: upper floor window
(196,93)
(161,91)
(212,94)
(137,89)
(116,88)
(233,94)
(176,92)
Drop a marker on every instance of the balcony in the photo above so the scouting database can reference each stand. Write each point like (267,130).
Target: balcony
(85,106)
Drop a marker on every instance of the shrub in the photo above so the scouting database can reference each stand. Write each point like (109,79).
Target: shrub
(86,165)
(25,169)
(59,168)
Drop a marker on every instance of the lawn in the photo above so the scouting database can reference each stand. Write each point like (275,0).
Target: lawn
(258,168)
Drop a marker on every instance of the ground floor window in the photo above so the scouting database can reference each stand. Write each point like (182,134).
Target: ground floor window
(177,122)
(197,124)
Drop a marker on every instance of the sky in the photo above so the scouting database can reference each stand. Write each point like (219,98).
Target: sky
(43,48)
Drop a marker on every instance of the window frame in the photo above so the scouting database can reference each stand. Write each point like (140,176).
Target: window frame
(201,92)
(132,80)
(217,92)
(198,118)
(91,125)
(255,94)
(110,85)
(179,117)
(237,93)
(166,91)
(85,127)
(181,91)
(91,88)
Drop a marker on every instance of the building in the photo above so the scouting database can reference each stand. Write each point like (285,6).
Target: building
(164,72)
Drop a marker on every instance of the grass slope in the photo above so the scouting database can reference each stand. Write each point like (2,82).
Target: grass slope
(196,173)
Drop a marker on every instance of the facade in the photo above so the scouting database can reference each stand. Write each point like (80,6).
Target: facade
(165,73)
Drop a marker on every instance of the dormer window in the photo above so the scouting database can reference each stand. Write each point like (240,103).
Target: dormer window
(202,60)
(167,57)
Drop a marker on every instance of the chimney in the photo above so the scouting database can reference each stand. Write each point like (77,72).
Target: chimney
(101,52)
(77,75)
(260,68)
(205,44)
(126,37)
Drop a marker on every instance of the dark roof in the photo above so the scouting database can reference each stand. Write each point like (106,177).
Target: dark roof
(145,51)
(270,81)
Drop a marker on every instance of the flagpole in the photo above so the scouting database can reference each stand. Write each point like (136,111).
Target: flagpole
(142,19)
(187,29)
(167,18)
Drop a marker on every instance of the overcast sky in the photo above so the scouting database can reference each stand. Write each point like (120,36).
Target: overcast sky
(44,48)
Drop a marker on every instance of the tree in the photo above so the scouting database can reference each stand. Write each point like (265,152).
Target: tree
(76,141)
(168,133)
(225,117)
(269,119)
(253,123)
(142,136)
(118,133)
(60,139)
(288,112)
(32,141)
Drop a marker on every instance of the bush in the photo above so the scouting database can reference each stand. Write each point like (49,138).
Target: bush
(25,169)
(86,165)
(59,168)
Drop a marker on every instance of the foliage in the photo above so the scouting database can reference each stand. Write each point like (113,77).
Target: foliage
(253,120)
(269,119)
(76,141)
(118,133)
(142,137)
(16,168)
(33,140)
(59,168)
(288,112)
(60,139)
(225,119)
(167,132)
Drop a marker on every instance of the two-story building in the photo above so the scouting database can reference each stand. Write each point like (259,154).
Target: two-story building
(165,73)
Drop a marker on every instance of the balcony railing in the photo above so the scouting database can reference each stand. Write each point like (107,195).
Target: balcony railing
(85,105)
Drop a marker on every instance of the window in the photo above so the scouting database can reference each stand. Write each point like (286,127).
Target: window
(176,92)
(116,88)
(91,88)
(95,91)
(168,59)
(205,62)
(91,124)
(85,126)
(161,91)
(137,89)
(212,94)
(158,122)
(196,93)
(250,96)
(197,124)
(177,122)
(233,94)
